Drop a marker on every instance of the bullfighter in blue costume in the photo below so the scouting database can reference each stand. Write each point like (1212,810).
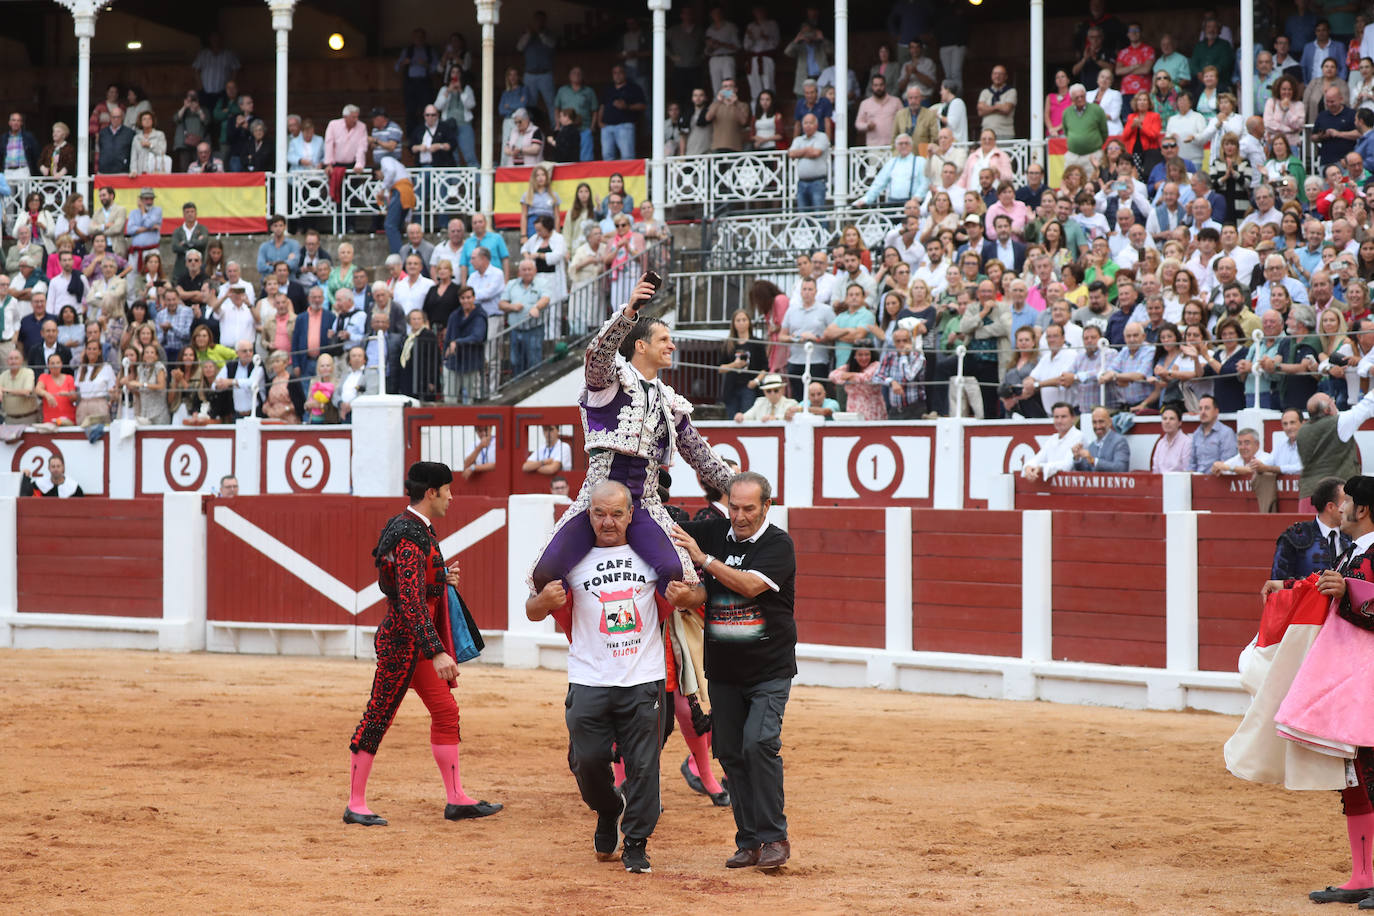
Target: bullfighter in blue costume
(1316,544)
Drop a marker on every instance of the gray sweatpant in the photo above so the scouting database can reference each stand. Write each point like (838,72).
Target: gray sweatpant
(630,719)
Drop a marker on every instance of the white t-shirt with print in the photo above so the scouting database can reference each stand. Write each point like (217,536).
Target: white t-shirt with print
(616,637)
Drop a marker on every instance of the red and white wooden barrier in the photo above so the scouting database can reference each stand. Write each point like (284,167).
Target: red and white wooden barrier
(1116,590)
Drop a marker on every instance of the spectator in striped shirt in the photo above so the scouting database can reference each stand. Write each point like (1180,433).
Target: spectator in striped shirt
(900,372)
(174,321)
(1131,370)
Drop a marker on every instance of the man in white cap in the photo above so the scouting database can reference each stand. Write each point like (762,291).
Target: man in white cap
(772,406)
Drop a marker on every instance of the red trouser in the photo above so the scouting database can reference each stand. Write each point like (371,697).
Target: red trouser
(400,667)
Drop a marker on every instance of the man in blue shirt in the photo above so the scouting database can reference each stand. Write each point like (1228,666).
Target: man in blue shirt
(415,64)
(116,141)
(1334,128)
(144,227)
(537,44)
(811,103)
(1212,442)
(1364,123)
(903,176)
(278,248)
(525,300)
(491,241)
(622,106)
(385,138)
(467,334)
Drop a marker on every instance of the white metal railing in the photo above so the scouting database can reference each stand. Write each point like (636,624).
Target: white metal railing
(440,193)
(54,190)
(775,238)
(769,176)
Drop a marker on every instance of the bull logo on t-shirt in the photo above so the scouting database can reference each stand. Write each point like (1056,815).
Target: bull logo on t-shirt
(618,614)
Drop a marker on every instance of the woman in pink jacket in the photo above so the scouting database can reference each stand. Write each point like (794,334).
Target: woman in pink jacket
(987,156)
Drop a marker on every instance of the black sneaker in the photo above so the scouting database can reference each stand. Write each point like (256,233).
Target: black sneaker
(635,856)
(607,833)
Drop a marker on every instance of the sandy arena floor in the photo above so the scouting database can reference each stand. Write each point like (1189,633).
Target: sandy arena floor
(214,784)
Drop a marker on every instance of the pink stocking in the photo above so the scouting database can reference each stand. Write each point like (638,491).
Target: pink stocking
(360,768)
(699,745)
(1360,827)
(446,756)
(618,767)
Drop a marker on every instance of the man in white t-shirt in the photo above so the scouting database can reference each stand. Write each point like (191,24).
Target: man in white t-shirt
(616,672)
(1057,452)
(553,456)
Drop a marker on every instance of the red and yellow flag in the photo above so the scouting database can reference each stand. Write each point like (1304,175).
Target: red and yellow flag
(1055,148)
(226,202)
(564,177)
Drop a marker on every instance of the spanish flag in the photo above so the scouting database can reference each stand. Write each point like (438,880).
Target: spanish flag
(564,177)
(1055,148)
(226,202)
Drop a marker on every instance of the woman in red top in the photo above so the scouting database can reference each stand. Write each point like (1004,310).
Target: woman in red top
(58,392)
(1141,134)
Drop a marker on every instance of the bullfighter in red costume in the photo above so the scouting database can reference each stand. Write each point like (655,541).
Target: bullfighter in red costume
(414,645)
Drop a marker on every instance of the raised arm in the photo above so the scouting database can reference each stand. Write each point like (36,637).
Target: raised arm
(600,361)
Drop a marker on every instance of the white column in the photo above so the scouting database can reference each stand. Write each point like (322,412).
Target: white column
(183,574)
(1180,591)
(282,14)
(379,445)
(1247,57)
(840,190)
(1037,587)
(948,484)
(658,187)
(898,587)
(9,563)
(530,522)
(1177,492)
(488,15)
(1037,80)
(83,12)
(248,456)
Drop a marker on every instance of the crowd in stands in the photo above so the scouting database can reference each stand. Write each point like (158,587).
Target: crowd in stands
(1177,230)
(92,319)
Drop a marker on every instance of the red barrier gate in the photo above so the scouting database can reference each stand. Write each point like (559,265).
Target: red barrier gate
(307,559)
(90,556)
(448,434)
(1235,494)
(840,592)
(966,581)
(1139,491)
(1109,574)
(1234,553)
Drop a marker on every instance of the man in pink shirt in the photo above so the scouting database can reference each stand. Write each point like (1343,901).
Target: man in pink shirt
(345,146)
(877,114)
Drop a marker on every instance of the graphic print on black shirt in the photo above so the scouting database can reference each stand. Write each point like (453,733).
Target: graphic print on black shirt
(749,640)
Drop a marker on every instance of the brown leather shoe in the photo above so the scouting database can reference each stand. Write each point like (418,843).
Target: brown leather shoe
(743,858)
(774,855)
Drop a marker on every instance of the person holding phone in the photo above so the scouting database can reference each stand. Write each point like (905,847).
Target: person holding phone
(728,116)
(634,423)
(746,362)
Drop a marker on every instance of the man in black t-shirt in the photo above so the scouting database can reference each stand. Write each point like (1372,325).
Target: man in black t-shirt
(749,570)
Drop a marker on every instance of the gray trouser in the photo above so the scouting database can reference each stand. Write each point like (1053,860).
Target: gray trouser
(746,737)
(630,718)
